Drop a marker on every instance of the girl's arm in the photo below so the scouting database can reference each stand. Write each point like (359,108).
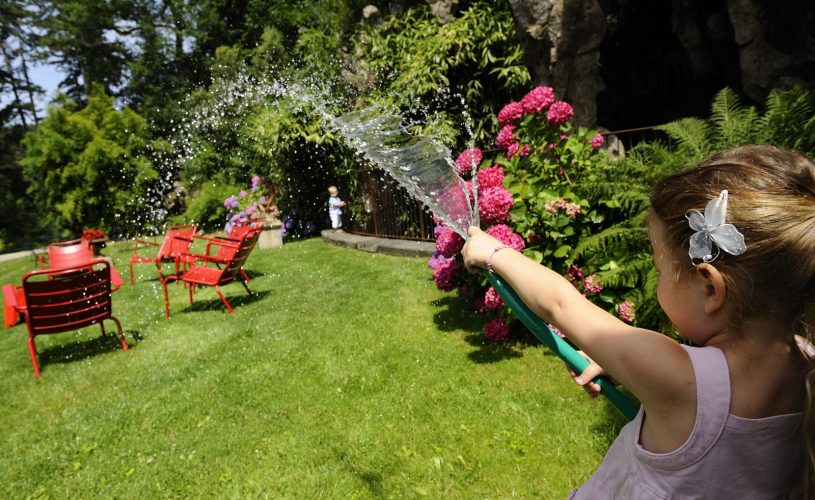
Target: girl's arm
(653,367)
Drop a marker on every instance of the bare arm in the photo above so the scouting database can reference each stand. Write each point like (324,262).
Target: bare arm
(652,366)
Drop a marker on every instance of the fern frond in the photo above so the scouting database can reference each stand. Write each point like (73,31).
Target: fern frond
(630,274)
(618,236)
(690,135)
(732,124)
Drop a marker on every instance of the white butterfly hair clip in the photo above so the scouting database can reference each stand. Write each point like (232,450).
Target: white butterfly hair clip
(711,231)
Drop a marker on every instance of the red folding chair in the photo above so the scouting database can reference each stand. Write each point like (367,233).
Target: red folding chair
(207,271)
(61,300)
(177,241)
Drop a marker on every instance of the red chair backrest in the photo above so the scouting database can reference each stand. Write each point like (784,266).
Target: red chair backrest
(72,253)
(239,254)
(237,233)
(60,300)
(177,241)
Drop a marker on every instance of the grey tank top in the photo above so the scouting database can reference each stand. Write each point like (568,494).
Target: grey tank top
(725,457)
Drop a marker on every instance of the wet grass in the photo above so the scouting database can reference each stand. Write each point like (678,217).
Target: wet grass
(348,375)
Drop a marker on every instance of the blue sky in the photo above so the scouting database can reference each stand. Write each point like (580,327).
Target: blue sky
(47,77)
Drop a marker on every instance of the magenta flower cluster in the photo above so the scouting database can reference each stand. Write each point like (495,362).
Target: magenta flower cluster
(538,99)
(496,330)
(468,159)
(569,208)
(494,204)
(507,236)
(449,243)
(626,311)
(447,274)
(598,140)
(492,301)
(559,112)
(592,284)
(510,114)
(489,178)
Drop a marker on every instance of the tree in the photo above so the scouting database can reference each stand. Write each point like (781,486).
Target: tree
(84,39)
(90,167)
(15,48)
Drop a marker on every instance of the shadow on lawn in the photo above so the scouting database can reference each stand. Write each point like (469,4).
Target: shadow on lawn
(456,313)
(86,348)
(235,301)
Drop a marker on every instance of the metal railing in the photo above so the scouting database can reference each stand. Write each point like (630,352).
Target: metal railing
(388,211)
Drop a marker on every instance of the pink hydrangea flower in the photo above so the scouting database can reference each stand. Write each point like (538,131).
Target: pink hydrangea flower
(490,177)
(244,194)
(507,236)
(438,259)
(506,137)
(449,243)
(446,275)
(597,141)
(496,330)
(468,159)
(626,311)
(592,284)
(517,149)
(570,209)
(440,228)
(492,301)
(574,273)
(494,205)
(510,113)
(538,99)
(559,112)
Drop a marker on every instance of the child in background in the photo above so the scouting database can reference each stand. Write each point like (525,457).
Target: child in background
(335,205)
(734,242)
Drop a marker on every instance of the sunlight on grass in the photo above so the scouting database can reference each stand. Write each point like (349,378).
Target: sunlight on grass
(347,374)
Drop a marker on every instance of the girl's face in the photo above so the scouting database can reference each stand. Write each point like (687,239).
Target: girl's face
(679,294)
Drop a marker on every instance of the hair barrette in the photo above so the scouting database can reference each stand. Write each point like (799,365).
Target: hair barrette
(712,232)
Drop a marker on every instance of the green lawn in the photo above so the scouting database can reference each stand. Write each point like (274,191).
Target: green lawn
(347,375)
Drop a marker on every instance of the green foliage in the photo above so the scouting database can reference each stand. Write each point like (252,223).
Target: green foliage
(206,206)
(578,212)
(89,167)
(418,58)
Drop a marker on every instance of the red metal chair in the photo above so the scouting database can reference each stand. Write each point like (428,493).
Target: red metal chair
(221,254)
(205,270)
(61,300)
(177,241)
(75,253)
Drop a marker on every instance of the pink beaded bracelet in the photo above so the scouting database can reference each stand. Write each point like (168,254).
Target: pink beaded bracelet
(495,250)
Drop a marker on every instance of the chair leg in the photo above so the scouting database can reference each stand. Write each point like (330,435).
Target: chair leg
(121,333)
(166,297)
(32,351)
(245,276)
(245,285)
(191,290)
(131,274)
(223,299)
(102,327)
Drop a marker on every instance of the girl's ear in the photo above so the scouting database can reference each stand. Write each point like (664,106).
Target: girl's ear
(713,287)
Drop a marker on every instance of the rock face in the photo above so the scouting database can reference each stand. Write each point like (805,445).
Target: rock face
(561,44)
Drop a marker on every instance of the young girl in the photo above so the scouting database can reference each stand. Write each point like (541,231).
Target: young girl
(734,242)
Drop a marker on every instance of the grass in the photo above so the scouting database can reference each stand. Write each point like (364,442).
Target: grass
(347,375)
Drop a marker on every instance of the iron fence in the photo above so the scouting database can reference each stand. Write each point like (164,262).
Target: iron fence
(387,210)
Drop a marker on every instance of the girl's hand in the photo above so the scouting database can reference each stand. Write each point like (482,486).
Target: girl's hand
(589,374)
(478,249)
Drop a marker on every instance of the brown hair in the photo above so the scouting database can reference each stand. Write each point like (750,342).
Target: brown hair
(772,203)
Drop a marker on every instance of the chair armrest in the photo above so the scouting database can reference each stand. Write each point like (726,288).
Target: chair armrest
(10,296)
(138,242)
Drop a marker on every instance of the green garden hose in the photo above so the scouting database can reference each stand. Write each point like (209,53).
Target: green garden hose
(566,352)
